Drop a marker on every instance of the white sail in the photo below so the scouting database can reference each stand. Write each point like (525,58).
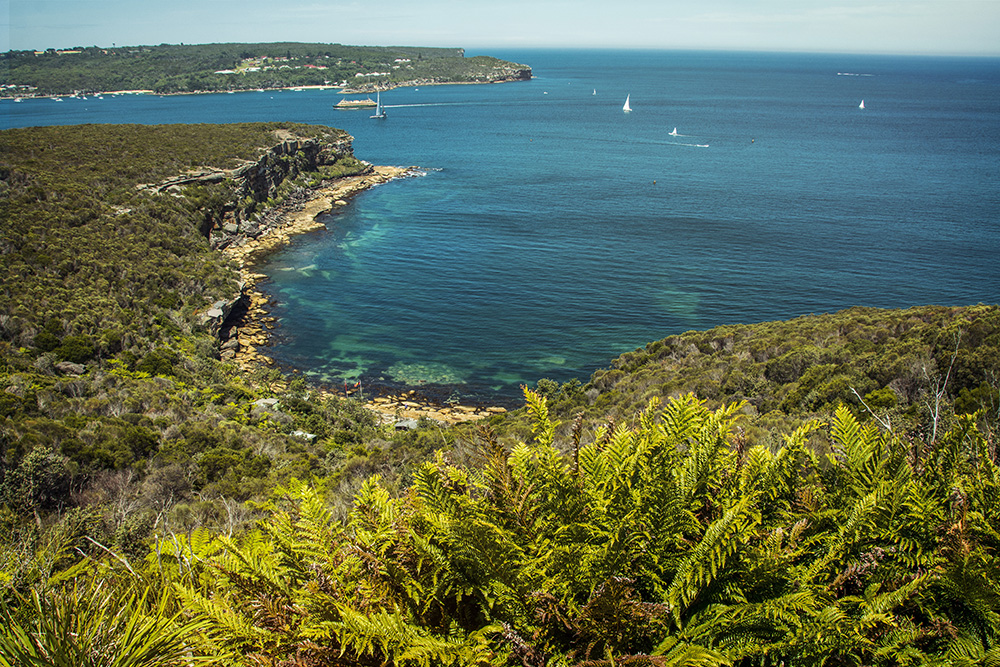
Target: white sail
(862,105)
(627,107)
(674,133)
(379,109)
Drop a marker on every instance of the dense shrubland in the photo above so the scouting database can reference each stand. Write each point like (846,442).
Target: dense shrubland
(831,496)
(669,542)
(911,370)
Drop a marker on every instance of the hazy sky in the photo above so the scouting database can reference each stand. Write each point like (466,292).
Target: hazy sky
(969,27)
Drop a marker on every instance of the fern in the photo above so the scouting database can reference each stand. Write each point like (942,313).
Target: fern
(704,562)
(389,637)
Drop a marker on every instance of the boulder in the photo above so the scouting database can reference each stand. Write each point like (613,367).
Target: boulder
(213,317)
(69,368)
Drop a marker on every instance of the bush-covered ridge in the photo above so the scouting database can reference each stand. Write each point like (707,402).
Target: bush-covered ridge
(899,366)
(667,543)
(169,68)
(151,508)
(86,253)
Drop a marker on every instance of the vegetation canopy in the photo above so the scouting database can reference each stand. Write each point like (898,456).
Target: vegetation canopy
(171,68)
(664,543)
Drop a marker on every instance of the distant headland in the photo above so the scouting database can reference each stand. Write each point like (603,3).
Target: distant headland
(212,68)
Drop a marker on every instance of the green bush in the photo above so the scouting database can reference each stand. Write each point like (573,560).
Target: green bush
(77,349)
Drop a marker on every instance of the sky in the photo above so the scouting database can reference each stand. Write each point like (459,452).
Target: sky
(939,27)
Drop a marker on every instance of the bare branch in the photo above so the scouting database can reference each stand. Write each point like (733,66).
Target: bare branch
(885,424)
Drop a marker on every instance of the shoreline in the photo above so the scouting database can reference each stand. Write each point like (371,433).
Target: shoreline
(343,90)
(252,325)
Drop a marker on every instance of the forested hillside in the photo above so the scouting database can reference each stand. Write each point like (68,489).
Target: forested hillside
(828,494)
(111,388)
(910,370)
(170,68)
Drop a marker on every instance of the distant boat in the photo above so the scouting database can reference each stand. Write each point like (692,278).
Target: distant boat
(674,133)
(627,108)
(862,105)
(354,104)
(379,109)
(595,91)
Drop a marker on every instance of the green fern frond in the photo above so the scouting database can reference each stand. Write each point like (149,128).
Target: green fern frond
(676,652)
(542,427)
(703,563)
(683,418)
(389,637)
(224,618)
(858,448)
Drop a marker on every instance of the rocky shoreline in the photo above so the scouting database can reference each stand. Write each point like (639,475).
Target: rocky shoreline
(246,330)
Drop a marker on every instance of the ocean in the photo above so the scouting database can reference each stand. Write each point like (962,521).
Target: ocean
(551,231)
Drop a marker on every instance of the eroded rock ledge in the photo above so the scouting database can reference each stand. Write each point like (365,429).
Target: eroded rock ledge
(253,186)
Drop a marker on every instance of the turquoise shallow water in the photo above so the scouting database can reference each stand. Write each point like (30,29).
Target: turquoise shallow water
(551,231)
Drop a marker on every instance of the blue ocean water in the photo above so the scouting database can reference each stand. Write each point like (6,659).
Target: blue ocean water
(551,231)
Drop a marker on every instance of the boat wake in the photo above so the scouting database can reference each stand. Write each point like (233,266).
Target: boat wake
(439,104)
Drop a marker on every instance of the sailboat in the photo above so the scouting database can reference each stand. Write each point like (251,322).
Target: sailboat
(595,91)
(626,108)
(862,105)
(674,133)
(379,109)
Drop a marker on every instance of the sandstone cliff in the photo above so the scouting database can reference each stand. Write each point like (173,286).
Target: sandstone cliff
(244,202)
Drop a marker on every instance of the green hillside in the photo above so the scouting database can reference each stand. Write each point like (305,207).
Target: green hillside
(901,368)
(109,371)
(170,68)
(821,491)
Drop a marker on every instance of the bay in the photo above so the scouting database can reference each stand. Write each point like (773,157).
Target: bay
(552,231)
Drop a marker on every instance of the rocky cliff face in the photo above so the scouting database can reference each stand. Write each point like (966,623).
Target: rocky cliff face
(260,180)
(266,180)
(239,211)
(502,74)
(249,201)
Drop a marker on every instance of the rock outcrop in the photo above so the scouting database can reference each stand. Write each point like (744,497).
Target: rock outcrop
(256,184)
